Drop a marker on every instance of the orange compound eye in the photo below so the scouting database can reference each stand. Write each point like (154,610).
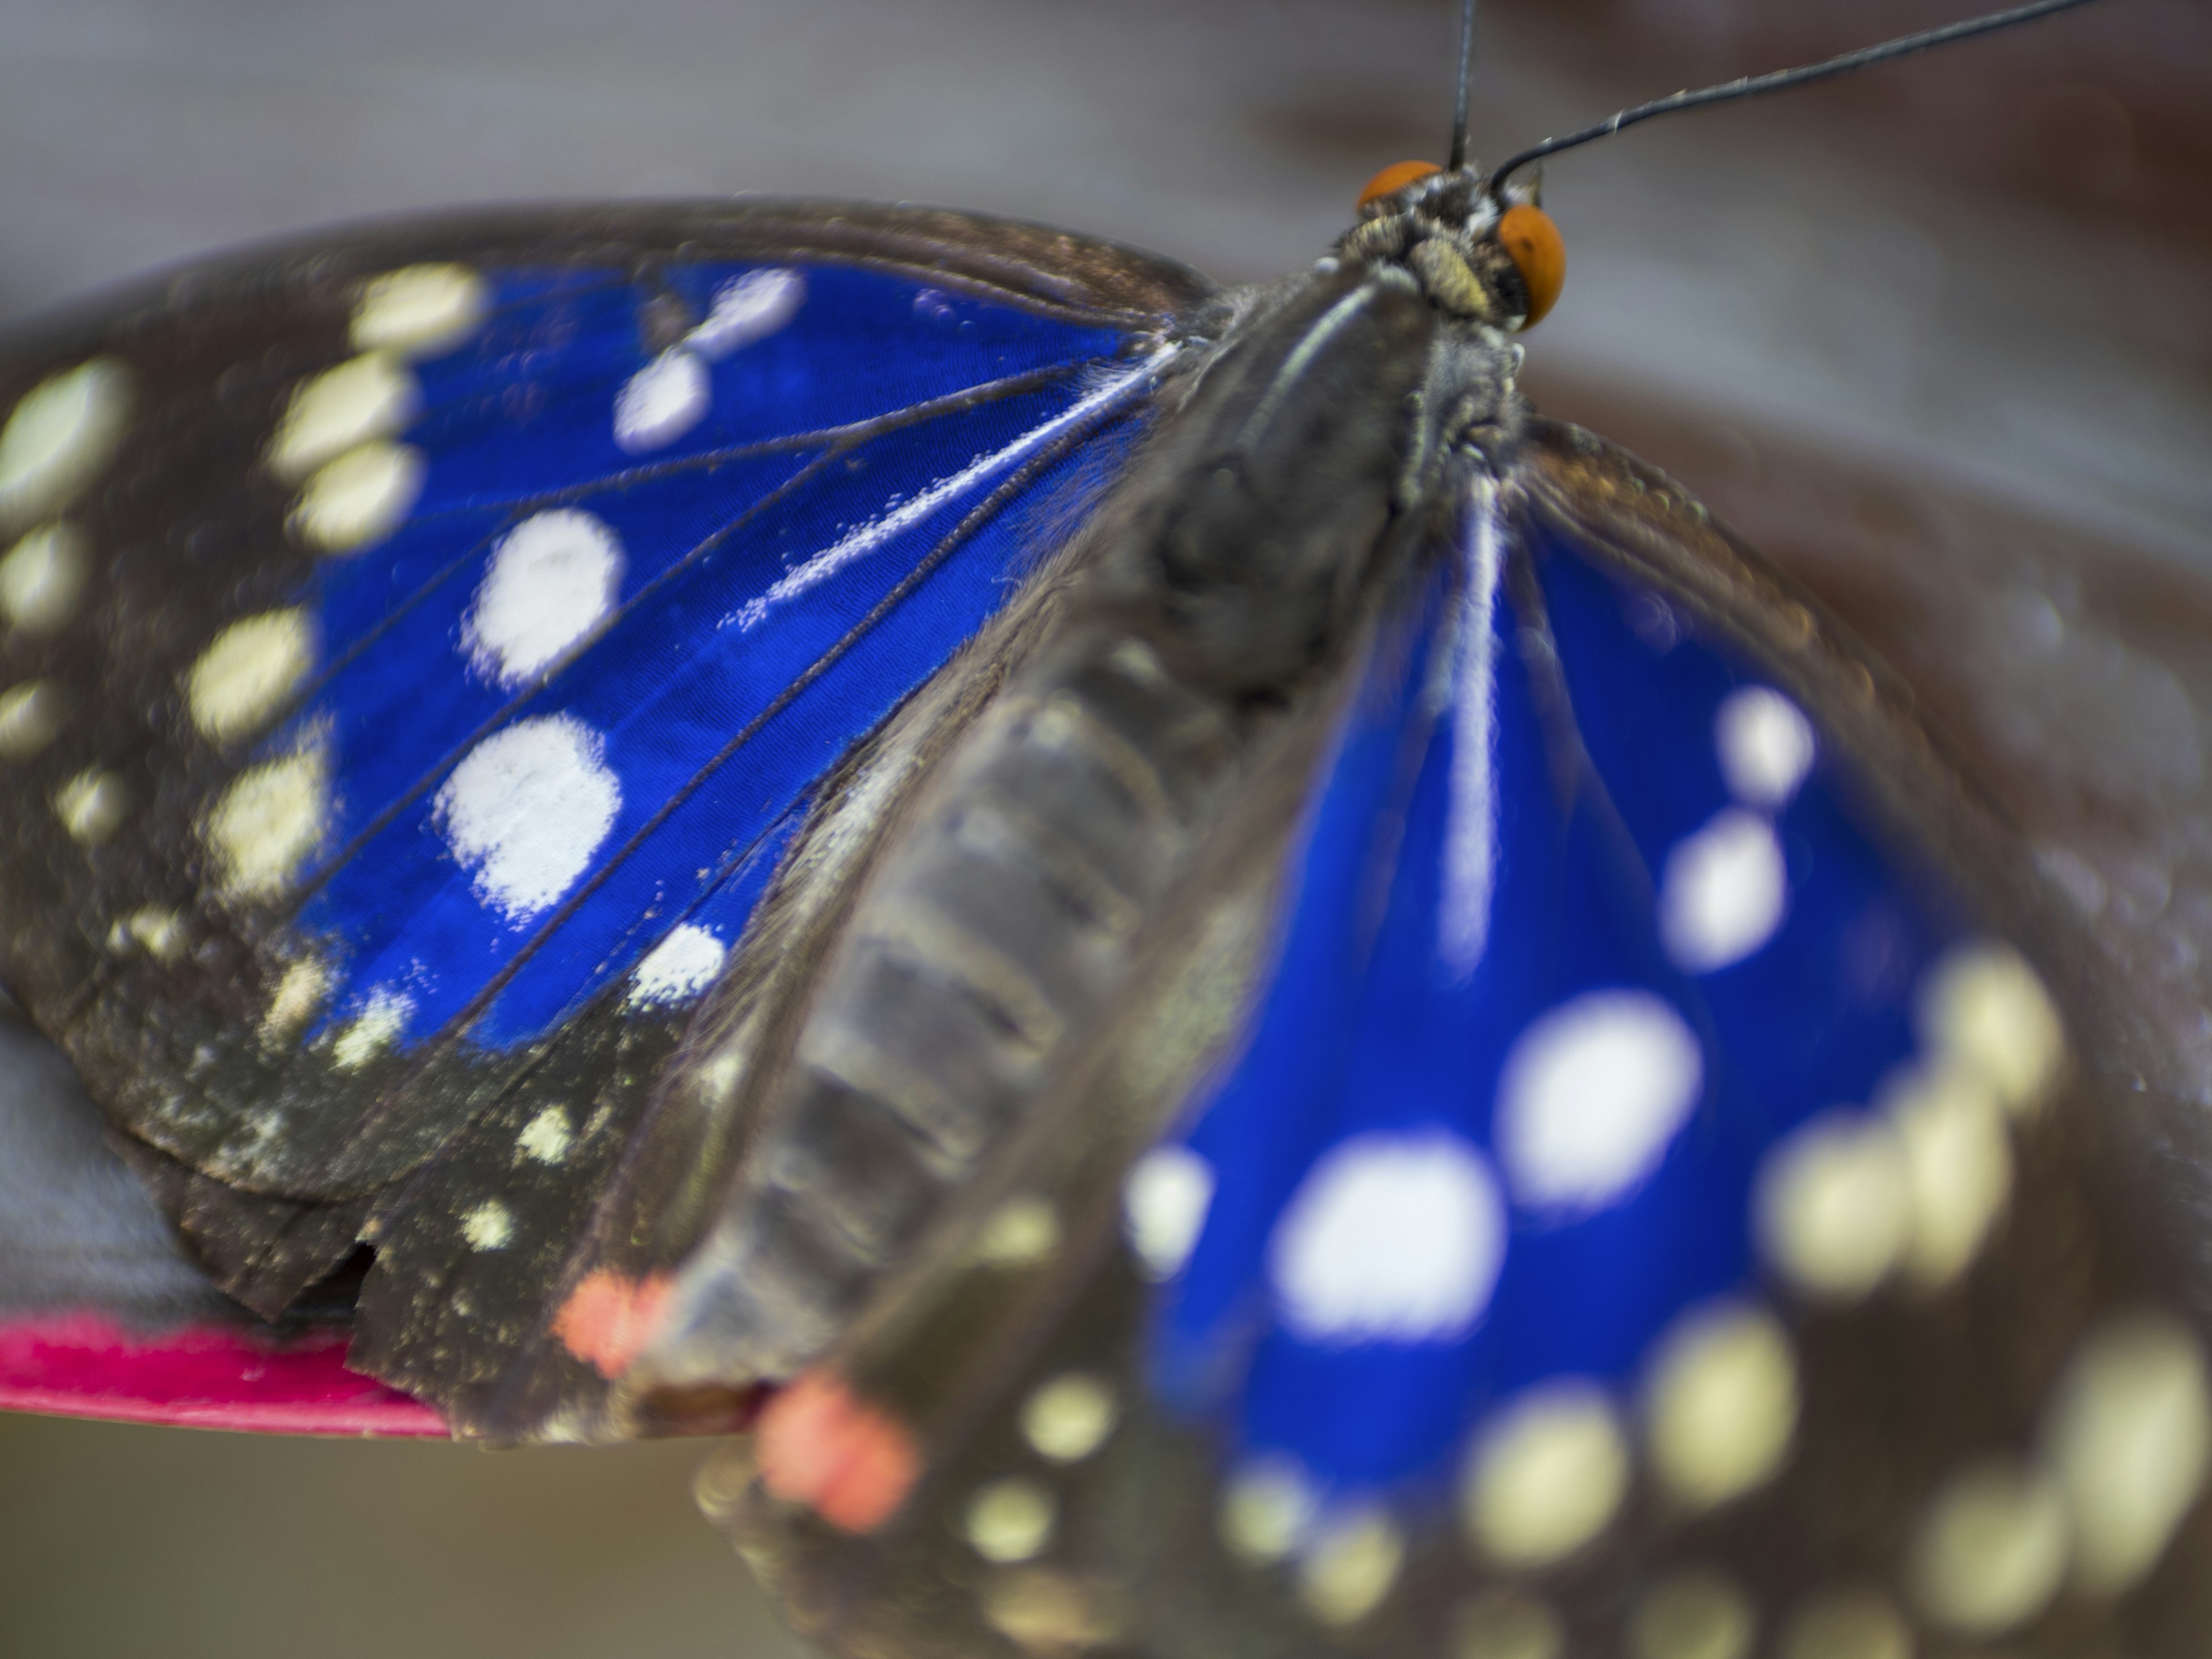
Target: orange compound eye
(1532,241)
(1394,179)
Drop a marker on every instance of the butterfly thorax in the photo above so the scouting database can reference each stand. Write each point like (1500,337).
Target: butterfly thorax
(1442,230)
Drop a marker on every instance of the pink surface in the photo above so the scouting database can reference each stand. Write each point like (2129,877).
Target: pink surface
(203,1376)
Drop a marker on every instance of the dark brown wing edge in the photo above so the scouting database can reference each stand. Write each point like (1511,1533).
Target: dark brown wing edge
(1059,271)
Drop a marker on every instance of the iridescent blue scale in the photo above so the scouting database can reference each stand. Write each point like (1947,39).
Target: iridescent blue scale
(522,423)
(1487,862)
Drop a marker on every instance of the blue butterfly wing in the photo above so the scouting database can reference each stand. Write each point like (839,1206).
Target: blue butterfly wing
(427,645)
(1646,1197)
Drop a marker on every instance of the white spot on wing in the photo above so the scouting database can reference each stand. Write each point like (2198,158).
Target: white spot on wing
(1351,1564)
(1725,891)
(42,579)
(91,806)
(1990,1550)
(248,672)
(678,967)
(525,810)
(1390,1238)
(420,310)
(1722,1402)
(547,1137)
(357,500)
(269,820)
(2128,1439)
(382,1018)
(1010,1520)
(1765,746)
(63,431)
(489,1226)
(1164,1205)
(1069,1418)
(372,396)
(299,993)
(671,394)
(1548,1474)
(1835,1205)
(1590,1098)
(1267,1509)
(748,308)
(662,401)
(553,579)
(1983,1008)
(30,717)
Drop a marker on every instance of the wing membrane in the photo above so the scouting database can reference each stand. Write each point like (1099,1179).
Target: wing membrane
(464,622)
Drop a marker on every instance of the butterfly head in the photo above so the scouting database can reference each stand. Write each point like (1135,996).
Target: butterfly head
(1495,259)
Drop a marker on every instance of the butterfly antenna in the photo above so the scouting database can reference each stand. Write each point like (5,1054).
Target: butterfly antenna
(1758,85)
(1461,113)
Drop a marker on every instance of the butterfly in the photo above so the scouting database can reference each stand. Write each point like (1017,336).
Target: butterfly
(1022,745)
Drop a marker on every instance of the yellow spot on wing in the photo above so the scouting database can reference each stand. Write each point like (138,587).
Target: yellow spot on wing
(249,673)
(62,433)
(269,820)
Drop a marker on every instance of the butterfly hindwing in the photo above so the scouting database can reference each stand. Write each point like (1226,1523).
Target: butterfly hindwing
(424,648)
(1627,1174)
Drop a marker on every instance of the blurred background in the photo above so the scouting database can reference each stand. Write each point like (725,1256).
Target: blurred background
(1979,278)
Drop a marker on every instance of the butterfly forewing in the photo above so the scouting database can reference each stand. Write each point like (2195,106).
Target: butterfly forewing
(424,651)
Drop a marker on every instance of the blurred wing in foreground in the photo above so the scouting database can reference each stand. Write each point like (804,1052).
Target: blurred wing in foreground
(1652,1202)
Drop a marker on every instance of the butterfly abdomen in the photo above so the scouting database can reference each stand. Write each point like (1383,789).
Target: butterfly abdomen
(999,923)
(1000,920)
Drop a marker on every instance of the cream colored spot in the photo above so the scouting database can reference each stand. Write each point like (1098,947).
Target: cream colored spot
(299,995)
(63,431)
(1991,1550)
(1693,1615)
(160,931)
(1959,1164)
(1164,1204)
(546,1137)
(1351,1567)
(1850,1624)
(1985,1007)
(1267,1510)
(2127,1438)
(1766,746)
(372,396)
(1020,1233)
(489,1226)
(43,578)
(420,311)
(30,717)
(91,806)
(1046,1612)
(1505,1624)
(1835,1205)
(249,673)
(1069,1418)
(268,821)
(1722,1404)
(382,1017)
(358,499)
(1548,1474)
(1010,1520)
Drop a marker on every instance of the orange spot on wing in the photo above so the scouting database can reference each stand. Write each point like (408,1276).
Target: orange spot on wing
(821,1445)
(609,1317)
